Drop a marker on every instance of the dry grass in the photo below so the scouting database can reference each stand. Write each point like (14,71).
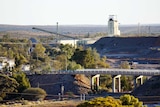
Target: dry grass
(46,103)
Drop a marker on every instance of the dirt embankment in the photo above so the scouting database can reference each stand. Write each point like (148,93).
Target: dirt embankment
(141,46)
(150,88)
(51,83)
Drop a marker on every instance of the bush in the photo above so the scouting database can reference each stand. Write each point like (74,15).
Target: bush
(34,94)
(24,102)
(125,101)
(130,100)
(101,102)
(70,94)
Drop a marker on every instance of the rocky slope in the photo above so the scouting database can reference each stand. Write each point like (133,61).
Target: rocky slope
(129,46)
(150,88)
(51,83)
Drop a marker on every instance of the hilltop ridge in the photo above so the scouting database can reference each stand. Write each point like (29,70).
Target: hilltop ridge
(135,47)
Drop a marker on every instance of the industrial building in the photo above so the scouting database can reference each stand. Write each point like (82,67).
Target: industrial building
(113,26)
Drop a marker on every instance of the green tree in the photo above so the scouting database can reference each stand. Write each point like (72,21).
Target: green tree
(7,85)
(89,58)
(19,60)
(60,62)
(102,63)
(78,56)
(126,83)
(23,81)
(125,65)
(84,58)
(73,66)
(67,49)
(106,82)
(39,51)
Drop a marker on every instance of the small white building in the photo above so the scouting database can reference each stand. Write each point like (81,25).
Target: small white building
(26,68)
(5,62)
(72,42)
(113,26)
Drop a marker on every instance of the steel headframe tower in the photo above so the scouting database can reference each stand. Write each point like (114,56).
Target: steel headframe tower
(113,26)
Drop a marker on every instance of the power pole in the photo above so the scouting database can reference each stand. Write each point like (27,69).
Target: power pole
(57,35)
(62,91)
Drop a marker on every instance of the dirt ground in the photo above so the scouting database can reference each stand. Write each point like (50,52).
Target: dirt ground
(46,103)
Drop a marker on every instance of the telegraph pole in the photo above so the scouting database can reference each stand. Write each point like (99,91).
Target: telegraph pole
(57,35)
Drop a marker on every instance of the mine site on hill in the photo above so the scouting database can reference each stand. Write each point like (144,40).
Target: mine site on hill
(141,51)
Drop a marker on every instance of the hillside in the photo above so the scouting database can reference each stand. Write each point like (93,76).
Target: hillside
(150,88)
(134,47)
(78,84)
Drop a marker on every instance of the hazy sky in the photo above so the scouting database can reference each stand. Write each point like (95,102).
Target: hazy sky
(69,12)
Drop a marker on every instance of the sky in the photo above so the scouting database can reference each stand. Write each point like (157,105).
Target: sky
(78,12)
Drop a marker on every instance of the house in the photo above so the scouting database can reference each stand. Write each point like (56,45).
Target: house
(6,62)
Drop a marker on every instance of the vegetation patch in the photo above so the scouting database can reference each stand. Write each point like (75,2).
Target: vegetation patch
(34,94)
(124,101)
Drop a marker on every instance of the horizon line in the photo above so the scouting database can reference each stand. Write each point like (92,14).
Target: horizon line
(77,24)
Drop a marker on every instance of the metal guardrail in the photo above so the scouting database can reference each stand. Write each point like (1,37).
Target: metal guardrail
(145,72)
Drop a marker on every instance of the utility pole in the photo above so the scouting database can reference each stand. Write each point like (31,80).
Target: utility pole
(138,29)
(149,30)
(62,91)
(38,84)
(57,35)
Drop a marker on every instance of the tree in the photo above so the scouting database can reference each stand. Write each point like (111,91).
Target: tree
(7,85)
(78,56)
(125,65)
(102,63)
(84,58)
(39,51)
(34,94)
(73,66)
(60,62)
(19,60)
(89,58)
(23,81)
(106,82)
(67,49)
(126,83)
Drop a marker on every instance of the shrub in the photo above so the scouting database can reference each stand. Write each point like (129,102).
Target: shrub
(130,100)
(24,102)
(34,94)
(101,102)
(70,94)
(125,101)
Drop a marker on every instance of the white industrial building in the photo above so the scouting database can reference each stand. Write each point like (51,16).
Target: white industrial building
(113,26)
(77,42)
(72,42)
